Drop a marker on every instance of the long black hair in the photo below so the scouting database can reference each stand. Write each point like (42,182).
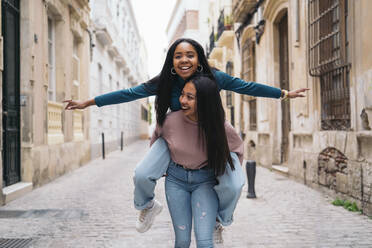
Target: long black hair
(211,122)
(167,79)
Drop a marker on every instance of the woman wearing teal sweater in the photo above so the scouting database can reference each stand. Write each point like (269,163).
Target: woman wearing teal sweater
(185,57)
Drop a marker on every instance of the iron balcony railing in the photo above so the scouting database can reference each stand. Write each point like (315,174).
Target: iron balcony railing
(211,42)
(224,21)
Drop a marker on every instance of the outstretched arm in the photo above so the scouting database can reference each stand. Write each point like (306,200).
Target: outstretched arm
(240,86)
(126,95)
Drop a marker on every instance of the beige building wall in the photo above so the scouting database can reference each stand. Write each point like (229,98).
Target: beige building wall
(310,148)
(53,141)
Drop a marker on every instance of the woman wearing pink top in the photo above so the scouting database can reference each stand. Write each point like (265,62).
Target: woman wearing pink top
(200,142)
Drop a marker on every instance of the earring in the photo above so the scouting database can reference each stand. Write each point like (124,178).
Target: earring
(199,68)
(173,71)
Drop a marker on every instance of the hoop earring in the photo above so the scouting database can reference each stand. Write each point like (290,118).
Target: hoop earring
(199,68)
(173,71)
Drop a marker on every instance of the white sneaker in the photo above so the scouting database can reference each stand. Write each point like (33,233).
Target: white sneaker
(217,233)
(147,217)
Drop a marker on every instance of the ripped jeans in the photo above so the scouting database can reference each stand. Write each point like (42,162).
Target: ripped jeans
(155,164)
(190,194)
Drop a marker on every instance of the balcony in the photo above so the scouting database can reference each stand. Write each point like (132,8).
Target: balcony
(224,21)
(78,125)
(241,8)
(76,28)
(55,134)
(225,34)
(120,62)
(102,31)
(113,51)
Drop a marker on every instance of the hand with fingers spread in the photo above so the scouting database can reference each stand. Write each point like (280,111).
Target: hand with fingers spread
(71,104)
(297,93)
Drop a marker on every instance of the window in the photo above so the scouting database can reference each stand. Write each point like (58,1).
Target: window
(248,61)
(100,79)
(252,114)
(328,50)
(144,114)
(51,61)
(110,82)
(248,74)
(229,70)
(75,70)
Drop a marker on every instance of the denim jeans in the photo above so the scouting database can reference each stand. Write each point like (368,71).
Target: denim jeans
(190,195)
(154,166)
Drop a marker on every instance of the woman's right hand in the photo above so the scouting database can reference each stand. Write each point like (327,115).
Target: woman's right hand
(71,104)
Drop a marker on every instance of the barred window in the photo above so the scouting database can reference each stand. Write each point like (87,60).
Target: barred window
(328,59)
(248,74)
(248,61)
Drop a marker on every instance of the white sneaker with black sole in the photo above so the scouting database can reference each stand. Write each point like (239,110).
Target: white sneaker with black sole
(147,217)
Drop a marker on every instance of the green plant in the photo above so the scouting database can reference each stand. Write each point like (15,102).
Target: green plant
(227,20)
(351,206)
(338,202)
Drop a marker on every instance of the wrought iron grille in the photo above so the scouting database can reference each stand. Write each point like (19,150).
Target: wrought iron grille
(327,35)
(221,24)
(248,74)
(11,90)
(248,63)
(211,42)
(335,97)
(328,59)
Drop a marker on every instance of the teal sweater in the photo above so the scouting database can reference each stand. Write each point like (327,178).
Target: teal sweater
(149,88)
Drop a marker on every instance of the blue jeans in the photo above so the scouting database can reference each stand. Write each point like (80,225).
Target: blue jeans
(155,165)
(190,194)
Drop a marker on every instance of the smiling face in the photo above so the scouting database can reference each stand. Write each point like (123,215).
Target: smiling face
(188,101)
(185,60)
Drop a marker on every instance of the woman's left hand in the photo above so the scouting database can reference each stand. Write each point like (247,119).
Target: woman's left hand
(297,93)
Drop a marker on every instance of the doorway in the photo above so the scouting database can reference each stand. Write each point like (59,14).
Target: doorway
(284,84)
(11,92)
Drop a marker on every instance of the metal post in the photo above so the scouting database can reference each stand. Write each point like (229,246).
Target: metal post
(121,141)
(250,168)
(103,145)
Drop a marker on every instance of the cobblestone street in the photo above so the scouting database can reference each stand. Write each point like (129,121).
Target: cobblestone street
(93,207)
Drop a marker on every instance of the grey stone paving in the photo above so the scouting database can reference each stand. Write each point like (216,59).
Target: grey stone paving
(92,207)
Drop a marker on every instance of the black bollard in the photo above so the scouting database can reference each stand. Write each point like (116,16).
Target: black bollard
(250,168)
(121,141)
(103,145)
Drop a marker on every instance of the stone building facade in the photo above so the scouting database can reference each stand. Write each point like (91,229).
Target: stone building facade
(118,60)
(46,59)
(189,19)
(325,139)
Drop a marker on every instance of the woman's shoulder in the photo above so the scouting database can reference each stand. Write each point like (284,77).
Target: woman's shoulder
(174,116)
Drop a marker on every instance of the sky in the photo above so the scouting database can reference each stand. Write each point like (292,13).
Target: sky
(152,19)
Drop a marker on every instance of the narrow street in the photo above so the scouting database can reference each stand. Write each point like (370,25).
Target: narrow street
(92,207)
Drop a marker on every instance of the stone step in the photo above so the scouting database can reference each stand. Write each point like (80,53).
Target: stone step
(280,168)
(16,190)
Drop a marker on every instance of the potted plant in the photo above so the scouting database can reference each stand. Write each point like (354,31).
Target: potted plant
(228,22)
